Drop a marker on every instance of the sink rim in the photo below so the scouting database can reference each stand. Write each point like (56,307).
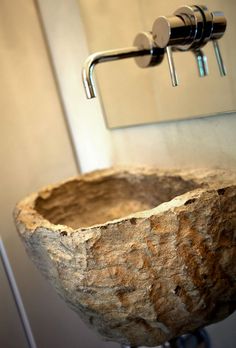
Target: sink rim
(26,211)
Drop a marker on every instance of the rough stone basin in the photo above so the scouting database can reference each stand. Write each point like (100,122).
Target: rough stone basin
(143,255)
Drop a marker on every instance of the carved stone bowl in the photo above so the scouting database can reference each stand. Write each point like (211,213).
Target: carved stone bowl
(143,255)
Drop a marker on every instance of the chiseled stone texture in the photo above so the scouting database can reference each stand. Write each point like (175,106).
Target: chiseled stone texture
(143,255)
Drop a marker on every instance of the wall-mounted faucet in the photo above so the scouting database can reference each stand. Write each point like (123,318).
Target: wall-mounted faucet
(189,29)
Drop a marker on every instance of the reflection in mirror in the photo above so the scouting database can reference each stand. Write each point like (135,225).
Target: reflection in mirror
(134,96)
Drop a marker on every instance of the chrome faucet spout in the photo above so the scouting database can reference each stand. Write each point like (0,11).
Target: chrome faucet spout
(106,56)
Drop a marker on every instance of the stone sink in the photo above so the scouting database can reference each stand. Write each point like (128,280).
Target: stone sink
(143,255)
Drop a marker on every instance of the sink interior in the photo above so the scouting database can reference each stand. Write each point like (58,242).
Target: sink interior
(83,203)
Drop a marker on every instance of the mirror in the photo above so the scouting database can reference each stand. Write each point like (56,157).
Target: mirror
(134,96)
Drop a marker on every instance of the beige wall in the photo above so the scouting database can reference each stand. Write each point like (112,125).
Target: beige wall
(35,150)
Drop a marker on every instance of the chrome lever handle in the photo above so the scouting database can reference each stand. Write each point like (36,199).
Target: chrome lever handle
(218,30)
(173,75)
(202,64)
(219,58)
